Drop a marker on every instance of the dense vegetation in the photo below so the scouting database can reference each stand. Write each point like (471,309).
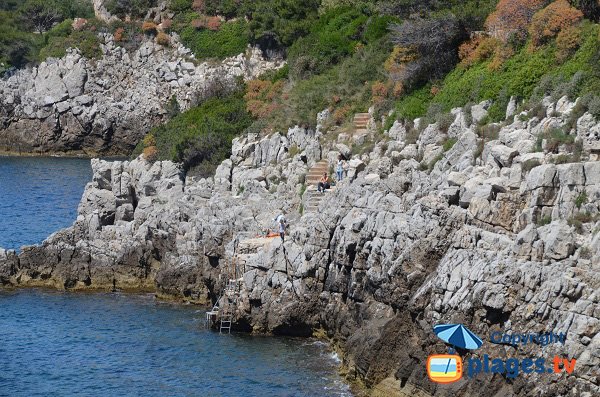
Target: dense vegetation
(24,28)
(201,137)
(415,58)
(418,58)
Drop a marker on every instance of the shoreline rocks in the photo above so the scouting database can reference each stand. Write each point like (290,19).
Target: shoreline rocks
(74,105)
(478,239)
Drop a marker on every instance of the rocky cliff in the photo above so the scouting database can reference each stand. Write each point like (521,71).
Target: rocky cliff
(498,236)
(76,105)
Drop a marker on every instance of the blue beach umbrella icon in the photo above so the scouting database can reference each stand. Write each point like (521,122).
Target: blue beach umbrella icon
(458,336)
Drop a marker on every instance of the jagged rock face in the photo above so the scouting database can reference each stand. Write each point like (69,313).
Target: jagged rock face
(389,254)
(106,106)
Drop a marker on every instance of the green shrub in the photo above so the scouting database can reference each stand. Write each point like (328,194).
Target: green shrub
(488,132)
(529,165)
(201,137)
(594,106)
(449,144)
(581,199)
(580,219)
(281,22)
(348,81)
(231,39)
(332,38)
(134,8)
(62,29)
(180,5)
(414,105)
(525,75)
(557,137)
(433,162)
(87,42)
(546,220)
(378,27)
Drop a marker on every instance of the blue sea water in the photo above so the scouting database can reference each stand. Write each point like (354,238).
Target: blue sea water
(79,344)
(38,196)
(62,344)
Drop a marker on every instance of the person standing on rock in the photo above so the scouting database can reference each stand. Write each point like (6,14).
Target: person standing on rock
(278,219)
(282,230)
(341,165)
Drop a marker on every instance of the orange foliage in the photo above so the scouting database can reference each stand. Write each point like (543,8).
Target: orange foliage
(119,34)
(198,6)
(163,39)
(198,23)
(567,42)
(398,89)
(149,27)
(501,55)
(547,23)
(467,49)
(166,24)
(396,62)
(261,97)
(79,23)
(482,49)
(341,114)
(379,91)
(151,153)
(213,23)
(512,17)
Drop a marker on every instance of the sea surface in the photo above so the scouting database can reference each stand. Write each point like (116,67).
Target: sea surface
(78,344)
(39,196)
(84,344)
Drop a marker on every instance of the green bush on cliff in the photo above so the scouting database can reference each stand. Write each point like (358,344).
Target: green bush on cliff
(133,8)
(231,39)
(519,76)
(338,34)
(200,138)
(87,42)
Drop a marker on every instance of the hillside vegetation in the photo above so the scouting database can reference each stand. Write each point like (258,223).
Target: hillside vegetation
(348,56)
(404,58)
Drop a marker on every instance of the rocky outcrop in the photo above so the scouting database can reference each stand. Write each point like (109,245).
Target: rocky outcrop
(482,238)
(79,106)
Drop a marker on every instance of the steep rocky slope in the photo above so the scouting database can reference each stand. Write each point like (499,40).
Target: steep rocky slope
(105,106)
(496,239)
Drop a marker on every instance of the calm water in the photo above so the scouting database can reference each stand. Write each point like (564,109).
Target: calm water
(57,344)
(61,344)
(38,196)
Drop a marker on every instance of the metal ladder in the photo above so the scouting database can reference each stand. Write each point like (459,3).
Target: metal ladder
(234,270)
(231,291)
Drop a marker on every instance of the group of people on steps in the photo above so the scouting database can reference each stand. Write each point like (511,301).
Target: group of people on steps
(341,168)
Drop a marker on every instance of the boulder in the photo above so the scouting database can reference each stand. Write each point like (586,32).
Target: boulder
(480,111)
(558,240)
(511,109)
(504,155)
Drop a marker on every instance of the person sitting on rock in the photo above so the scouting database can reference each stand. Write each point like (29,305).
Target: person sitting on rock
(323,183)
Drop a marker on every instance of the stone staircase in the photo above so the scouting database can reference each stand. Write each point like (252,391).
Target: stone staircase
(361,121)
(315,173)
(313,197)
